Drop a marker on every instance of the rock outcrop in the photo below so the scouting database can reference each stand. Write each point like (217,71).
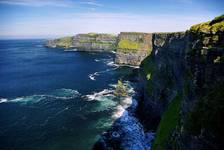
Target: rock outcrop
(133,47)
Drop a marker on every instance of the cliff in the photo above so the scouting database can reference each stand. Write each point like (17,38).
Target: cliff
(133,47)
(180,93)
(86,42)
(182,82)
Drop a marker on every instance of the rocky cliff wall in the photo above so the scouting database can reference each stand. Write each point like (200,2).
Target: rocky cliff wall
(161,75)
(183,83)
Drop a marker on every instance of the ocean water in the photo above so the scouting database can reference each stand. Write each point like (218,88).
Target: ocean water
(52,99)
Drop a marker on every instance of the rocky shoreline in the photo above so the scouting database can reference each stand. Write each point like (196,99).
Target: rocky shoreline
(127,132)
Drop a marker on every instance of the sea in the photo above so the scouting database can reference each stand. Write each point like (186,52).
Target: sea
(57,99)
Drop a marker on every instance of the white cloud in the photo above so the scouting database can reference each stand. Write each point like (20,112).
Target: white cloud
(100,22)
(38,3)
(92,3)
(55,3)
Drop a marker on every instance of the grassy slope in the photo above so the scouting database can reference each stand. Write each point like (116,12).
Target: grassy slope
(167,124)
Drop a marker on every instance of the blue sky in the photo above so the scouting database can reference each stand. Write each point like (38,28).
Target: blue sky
(55,18)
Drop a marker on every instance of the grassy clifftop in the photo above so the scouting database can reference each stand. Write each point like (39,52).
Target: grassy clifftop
(134,42)
(214,26)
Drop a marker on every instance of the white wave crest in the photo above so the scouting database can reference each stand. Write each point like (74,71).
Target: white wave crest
(62,94)
(3,100)
(92,76)
(98,96)
(96,60)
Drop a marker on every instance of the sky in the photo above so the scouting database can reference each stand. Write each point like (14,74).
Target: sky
(57,18)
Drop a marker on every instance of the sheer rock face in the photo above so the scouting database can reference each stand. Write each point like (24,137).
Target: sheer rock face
(162,74)
(133,47)
(190,65)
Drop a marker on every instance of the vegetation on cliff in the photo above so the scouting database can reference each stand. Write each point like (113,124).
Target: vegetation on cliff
(134,42)
(213,26)
(128,45)
(167,124)
(120,90)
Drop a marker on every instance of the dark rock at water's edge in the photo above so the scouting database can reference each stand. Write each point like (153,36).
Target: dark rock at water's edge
(181,96)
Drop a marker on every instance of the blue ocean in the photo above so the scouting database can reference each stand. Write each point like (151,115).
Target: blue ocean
(56,99)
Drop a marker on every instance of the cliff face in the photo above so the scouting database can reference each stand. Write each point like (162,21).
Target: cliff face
(183,83)
(86,42)
(133,47)
(161,75)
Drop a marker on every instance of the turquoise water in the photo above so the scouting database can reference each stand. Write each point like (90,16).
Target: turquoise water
(51,99)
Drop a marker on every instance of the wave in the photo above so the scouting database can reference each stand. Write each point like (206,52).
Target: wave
(92,76)
(98,95)
(96,60)
(62,94)
(3,100)
(70,50)
(104,99)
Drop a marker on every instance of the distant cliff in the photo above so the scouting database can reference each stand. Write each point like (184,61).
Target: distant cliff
(86,42)
(65,42)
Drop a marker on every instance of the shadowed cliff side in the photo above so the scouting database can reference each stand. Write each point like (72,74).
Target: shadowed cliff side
(182,81)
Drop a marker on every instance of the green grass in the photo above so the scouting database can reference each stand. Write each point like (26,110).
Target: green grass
(167,124)
(214,26)
(128,45)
